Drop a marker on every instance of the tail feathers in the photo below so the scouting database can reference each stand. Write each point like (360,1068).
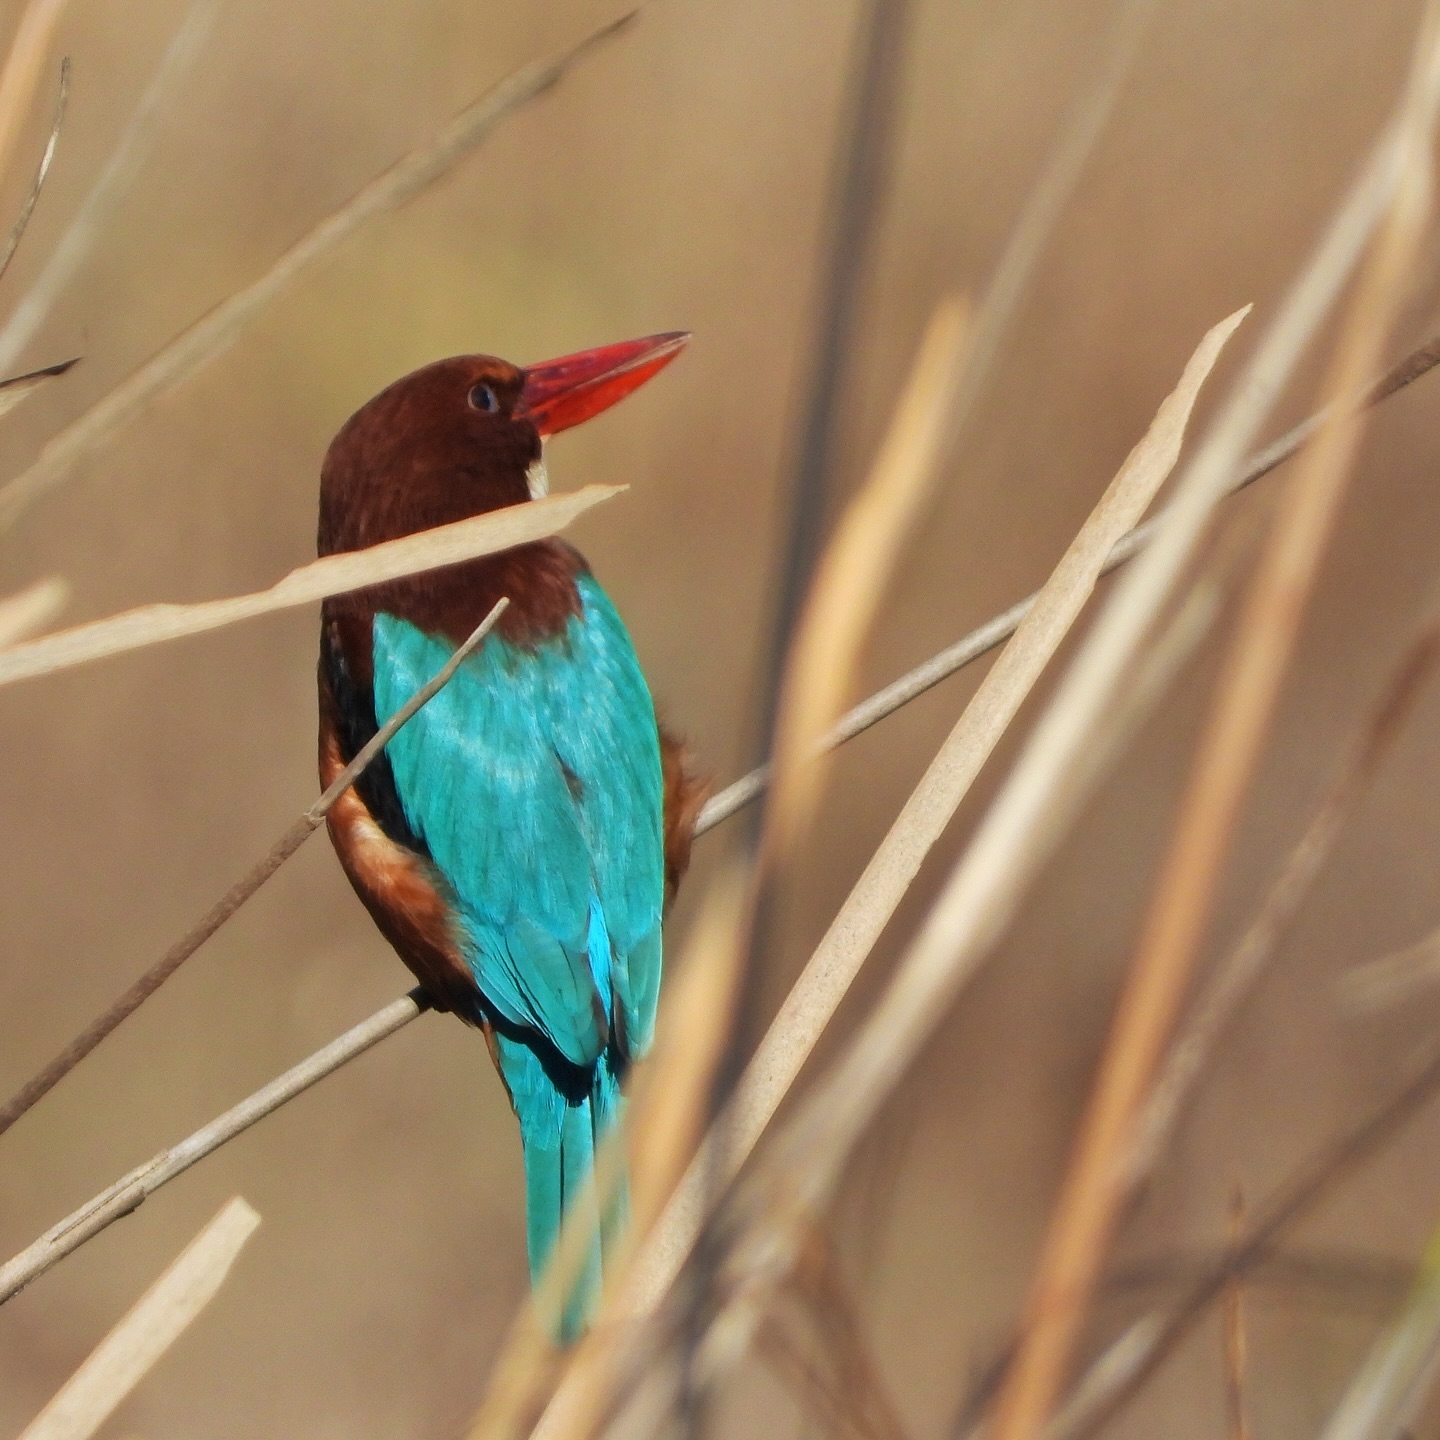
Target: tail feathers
(560,1138)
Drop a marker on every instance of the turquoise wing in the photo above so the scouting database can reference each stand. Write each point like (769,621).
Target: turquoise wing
(534,780)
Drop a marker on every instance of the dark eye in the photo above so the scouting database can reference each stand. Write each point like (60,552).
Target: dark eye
(482,397)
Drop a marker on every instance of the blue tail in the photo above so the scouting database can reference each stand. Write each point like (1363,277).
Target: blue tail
(560,1135)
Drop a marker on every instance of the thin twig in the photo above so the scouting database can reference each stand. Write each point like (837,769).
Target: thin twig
(129,1192)
(216,331)
(156,1321)
(1246,694)
(130,153)
(241,891)
(27,209)
(331,575)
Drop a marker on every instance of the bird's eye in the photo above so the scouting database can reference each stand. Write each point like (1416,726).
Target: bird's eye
(483,398)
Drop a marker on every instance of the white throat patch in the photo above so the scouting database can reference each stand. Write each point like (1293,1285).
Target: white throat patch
(537,480)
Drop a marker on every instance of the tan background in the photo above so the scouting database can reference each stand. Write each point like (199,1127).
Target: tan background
(676,180)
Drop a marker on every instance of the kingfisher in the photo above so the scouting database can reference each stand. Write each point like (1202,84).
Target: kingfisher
(519,839)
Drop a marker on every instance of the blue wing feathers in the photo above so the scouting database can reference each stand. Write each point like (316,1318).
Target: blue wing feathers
(534,780)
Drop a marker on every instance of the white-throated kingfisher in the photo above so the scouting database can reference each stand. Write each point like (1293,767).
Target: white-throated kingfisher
(519,838)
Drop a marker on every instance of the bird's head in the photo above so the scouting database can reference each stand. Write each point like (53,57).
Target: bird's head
(465,435)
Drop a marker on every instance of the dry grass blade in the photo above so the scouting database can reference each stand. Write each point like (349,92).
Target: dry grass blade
(1390,1386)
(166,1310)
(129,155)
(214,332)
(294,837)
(868,908)
(1094,1187)
(332,575)
(32,609)
(32,196)
(22,70)
(1237,973)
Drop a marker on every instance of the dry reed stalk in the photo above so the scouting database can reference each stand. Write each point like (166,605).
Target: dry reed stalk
(831,629)
(214,332)
(851,936)
(332,575)
(1237,973)
(130,153)
(21,73)
(37,183)
(31,609)
(241,891)
(1093,1191)
(581,1400)
(165,1311)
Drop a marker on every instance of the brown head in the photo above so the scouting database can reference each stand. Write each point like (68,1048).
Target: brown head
(458,438)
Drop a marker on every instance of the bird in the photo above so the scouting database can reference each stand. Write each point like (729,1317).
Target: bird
(520,838)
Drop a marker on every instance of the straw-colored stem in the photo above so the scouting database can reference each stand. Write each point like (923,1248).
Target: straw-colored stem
(331,575)
(157,1320)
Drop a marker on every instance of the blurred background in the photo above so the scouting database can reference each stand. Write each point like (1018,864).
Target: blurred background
(679,178)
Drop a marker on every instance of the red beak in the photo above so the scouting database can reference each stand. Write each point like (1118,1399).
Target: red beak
(561,393)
